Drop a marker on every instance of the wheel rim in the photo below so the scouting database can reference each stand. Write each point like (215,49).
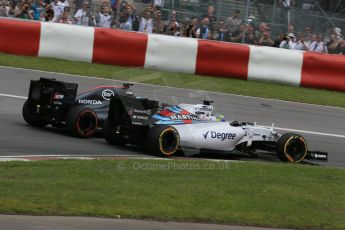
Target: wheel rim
(295,149)
(86,123)
(168,141)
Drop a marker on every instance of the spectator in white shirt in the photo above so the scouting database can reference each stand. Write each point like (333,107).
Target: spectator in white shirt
(66,3)
(146,23)
(104,18)
(318,45)
(125,24)
(159,3)
(83,15)
(5,9)
(58,8)
(308,37)
(286,3)
(288,42)
(300,43)
(204,32)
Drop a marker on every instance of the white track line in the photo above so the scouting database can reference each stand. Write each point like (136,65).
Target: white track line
(285,129)
(65,155)
(171,87)
(309,132)
(12,96)
(12,159)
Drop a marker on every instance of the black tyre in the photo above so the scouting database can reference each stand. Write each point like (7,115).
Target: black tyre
(110,135)
(292,147)
(163,140)
(31,117)
(81,122)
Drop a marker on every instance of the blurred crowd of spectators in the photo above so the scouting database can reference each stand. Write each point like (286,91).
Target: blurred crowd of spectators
(124,16)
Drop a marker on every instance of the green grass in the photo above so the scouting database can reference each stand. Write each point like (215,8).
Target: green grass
(250,88)
(251,193)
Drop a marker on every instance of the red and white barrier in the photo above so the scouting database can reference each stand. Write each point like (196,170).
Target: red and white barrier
(118,47)
(66,42)
(272,64)
(222,59)
(323,71)
(107,46)
(171,53)
(18,37)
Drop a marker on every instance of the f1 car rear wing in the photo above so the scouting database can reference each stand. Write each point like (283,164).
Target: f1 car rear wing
(125,109)
(42,90)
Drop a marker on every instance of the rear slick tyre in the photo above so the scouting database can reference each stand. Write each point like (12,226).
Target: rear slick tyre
(32,118)
(81,122)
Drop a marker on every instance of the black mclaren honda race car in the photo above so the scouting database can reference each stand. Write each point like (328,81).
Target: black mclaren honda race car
(194,128)
(57,103)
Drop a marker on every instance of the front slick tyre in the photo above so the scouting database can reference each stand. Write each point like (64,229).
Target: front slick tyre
(81,122)
(31,117)
(292,147)
(163,140)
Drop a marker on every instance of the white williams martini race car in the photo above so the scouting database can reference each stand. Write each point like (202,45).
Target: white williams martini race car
(165,130)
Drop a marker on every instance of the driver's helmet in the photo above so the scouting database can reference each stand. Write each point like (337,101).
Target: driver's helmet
(204,112)
(206,109)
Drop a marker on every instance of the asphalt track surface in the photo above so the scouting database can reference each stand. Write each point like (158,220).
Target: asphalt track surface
(322,126)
